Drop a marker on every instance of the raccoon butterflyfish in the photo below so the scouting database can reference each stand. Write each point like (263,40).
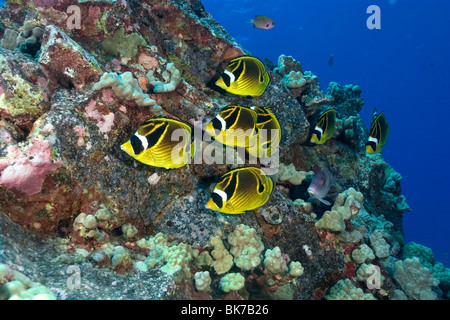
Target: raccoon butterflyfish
(378,133)
(161,142)
(240,190)
(324,128)
(234,126)
(244,76)
(269,133)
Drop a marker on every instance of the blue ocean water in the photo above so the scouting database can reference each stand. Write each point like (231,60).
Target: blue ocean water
(402,68)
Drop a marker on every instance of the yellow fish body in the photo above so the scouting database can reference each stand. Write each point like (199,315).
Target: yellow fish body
(325,127)
(244,76)
(378,133)
(234,126)
(161,142)
(240,190)
(269,133)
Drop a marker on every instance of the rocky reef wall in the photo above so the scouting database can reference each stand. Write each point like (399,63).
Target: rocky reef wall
(66,184)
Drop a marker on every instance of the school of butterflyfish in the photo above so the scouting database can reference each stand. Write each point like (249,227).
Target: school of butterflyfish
(168,143)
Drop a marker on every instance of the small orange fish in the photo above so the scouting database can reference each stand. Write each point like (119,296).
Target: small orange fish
(263,22)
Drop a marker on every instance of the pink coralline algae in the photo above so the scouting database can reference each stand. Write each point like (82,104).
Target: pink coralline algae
(104,122)
(27,170)
(93,13)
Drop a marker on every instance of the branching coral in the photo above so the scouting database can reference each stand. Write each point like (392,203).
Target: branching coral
(366,271)
(223,260)
(294,80)
(346,205)
(287,64)
(391,189)
(204,259)
(126,87)
(379,245)
(348,96)
(232,282)
(274,261)
(174,259)
(363,254)
(343,93)
(202,281)
(246,247)
(295,269)
(129,231)
(331,220)
(171,75)
(442,274)
(416,281)
(287,173)
(86,226)
(346,290)
(353,236)
(120,259)
(178,257)
(17,286)
(117,258)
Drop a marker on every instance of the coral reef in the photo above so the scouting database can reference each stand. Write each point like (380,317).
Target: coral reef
(171,75)
(28,40)
(123,45)
(14,285)
(416,281)
(74,206)
(126,87)
(346,205)
(346,290)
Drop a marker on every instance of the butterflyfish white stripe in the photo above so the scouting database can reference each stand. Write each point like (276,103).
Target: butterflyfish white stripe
(373,140)
(319,129)
(231,75)
(143,140)
(223,123)
(222,194)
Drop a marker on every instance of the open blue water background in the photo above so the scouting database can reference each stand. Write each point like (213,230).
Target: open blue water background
(403,69)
